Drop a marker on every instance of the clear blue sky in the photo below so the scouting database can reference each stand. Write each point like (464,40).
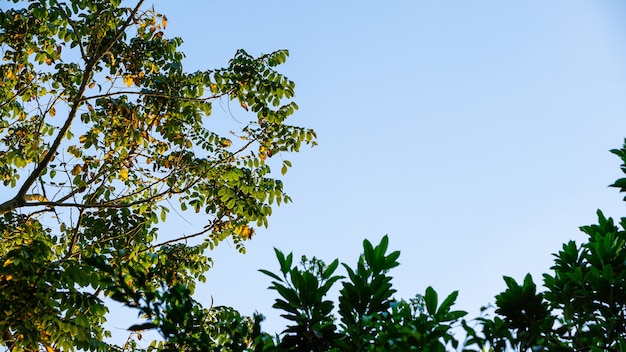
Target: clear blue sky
(475,134)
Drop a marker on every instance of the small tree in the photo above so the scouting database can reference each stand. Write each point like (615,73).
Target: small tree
(584,305)
(101,130)
(303,290)
(371,319)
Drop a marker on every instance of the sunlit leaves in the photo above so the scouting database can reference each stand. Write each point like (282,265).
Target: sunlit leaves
(100,128)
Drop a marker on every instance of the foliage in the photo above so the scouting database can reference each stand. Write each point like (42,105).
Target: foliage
(101,130)
(371,319)
(303,290)
(583,307)
(368,292)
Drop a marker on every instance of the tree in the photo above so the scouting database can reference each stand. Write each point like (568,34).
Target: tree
(101,131)
(370,318)
(583,307)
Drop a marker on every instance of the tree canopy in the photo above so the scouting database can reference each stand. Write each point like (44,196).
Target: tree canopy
(102,133)
(581,307)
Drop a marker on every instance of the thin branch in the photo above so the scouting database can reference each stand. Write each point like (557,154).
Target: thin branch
(107,205)
(115,203)
(206,230)
(47,210)
(71,23)
(94,178)
(121,31)
(18,93)
(74,235)
(129,233)
(156,95)
(8,339)
(57,141)
(19,200)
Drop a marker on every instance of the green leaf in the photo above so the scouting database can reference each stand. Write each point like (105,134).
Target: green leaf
(382,247)
(430,298)
(330,269)
(143,140)
(271,274)
(289,294)
(447,303)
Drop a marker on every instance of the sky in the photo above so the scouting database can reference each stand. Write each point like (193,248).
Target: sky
(475,134)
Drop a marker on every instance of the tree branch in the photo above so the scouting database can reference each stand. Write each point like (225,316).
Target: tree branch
(74,235)
(206,230)
(152,94)
(71,23)
(19,200)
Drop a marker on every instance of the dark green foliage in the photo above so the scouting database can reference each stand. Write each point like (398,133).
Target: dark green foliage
(583,307)
(368,290)
(371,319)
(303,289)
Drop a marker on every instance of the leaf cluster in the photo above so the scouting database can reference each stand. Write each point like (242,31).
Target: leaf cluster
(370,318)
(103,134)
(583,307)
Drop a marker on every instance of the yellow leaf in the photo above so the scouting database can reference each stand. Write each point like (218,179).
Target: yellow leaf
(49,349)
(247,232)
(226,143)
(82,139)
(7,262)
(10,74)
(123,175)
(53,111)
(243,105)
(8,277)
(77,170)
(128,80)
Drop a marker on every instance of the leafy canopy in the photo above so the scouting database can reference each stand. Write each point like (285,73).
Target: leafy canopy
(581,306)
(102,132)
(370,319)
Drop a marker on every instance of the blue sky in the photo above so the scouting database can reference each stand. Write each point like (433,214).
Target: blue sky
(474,134)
